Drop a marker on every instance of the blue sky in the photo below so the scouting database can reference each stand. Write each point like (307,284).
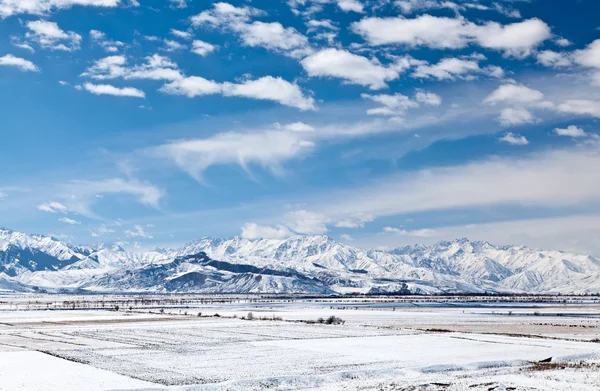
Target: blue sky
(377,122)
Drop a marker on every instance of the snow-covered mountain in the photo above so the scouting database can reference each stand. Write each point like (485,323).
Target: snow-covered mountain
(300,264)
(20,252)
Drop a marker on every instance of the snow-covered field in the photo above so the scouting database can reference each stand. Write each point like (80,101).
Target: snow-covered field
(384,344)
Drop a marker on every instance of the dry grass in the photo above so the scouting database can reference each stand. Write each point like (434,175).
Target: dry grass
(551,366)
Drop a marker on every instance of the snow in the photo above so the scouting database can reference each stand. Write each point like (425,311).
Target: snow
(407,350)
(374,349)
(35,371)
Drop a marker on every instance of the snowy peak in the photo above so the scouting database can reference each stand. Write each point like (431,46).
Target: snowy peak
(297,252)
(40,243)
(21,252)
(307,264)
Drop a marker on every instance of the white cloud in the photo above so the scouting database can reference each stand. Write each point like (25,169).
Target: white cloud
(396,105)
(393,105)
(570,131)
(477,6)
(16,42)
(272,35)
(515,116)
(252,231)
(42,7)
(53,207)
(447,69)
(574,233)
(590,56)
(67,220)
(270,88)
(356,220)
(409,6)
(101,231)
(510,12)
(519,95)
(555,178)
(563,42)
(178,3)
(350,5)
(9,60)
(97,35)
(428,98)
(306,222)
(268,149)
(514,139)
(157,67)
(346,237)
(138,232)
(516,39)
(513,93)
(79,195)
(581,107)
(202,48)
(223,13)
(173,46)
(192,86)
(554,59)
(418,233)
(426,30)
(99,38)
(49,36)
(110,67)
(466,68)
(299,127)
(351,68)
(316,25)
(181,34)
(107,89)
(314,6)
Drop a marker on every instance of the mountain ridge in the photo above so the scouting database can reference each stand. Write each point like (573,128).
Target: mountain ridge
(299,264)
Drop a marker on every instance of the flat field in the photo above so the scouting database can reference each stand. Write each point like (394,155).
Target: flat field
(209,343)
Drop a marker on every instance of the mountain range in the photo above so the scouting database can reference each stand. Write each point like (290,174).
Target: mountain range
(300,264)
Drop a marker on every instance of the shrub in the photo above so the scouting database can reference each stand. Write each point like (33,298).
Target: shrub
(250,316)
(334,320)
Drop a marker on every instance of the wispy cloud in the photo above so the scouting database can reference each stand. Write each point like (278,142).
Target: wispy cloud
(107,89)
(22,64)
(43,7)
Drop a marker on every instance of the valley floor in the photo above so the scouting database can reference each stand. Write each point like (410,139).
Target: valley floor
(204,343)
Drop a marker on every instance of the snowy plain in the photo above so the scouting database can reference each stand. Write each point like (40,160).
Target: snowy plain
(383,344)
